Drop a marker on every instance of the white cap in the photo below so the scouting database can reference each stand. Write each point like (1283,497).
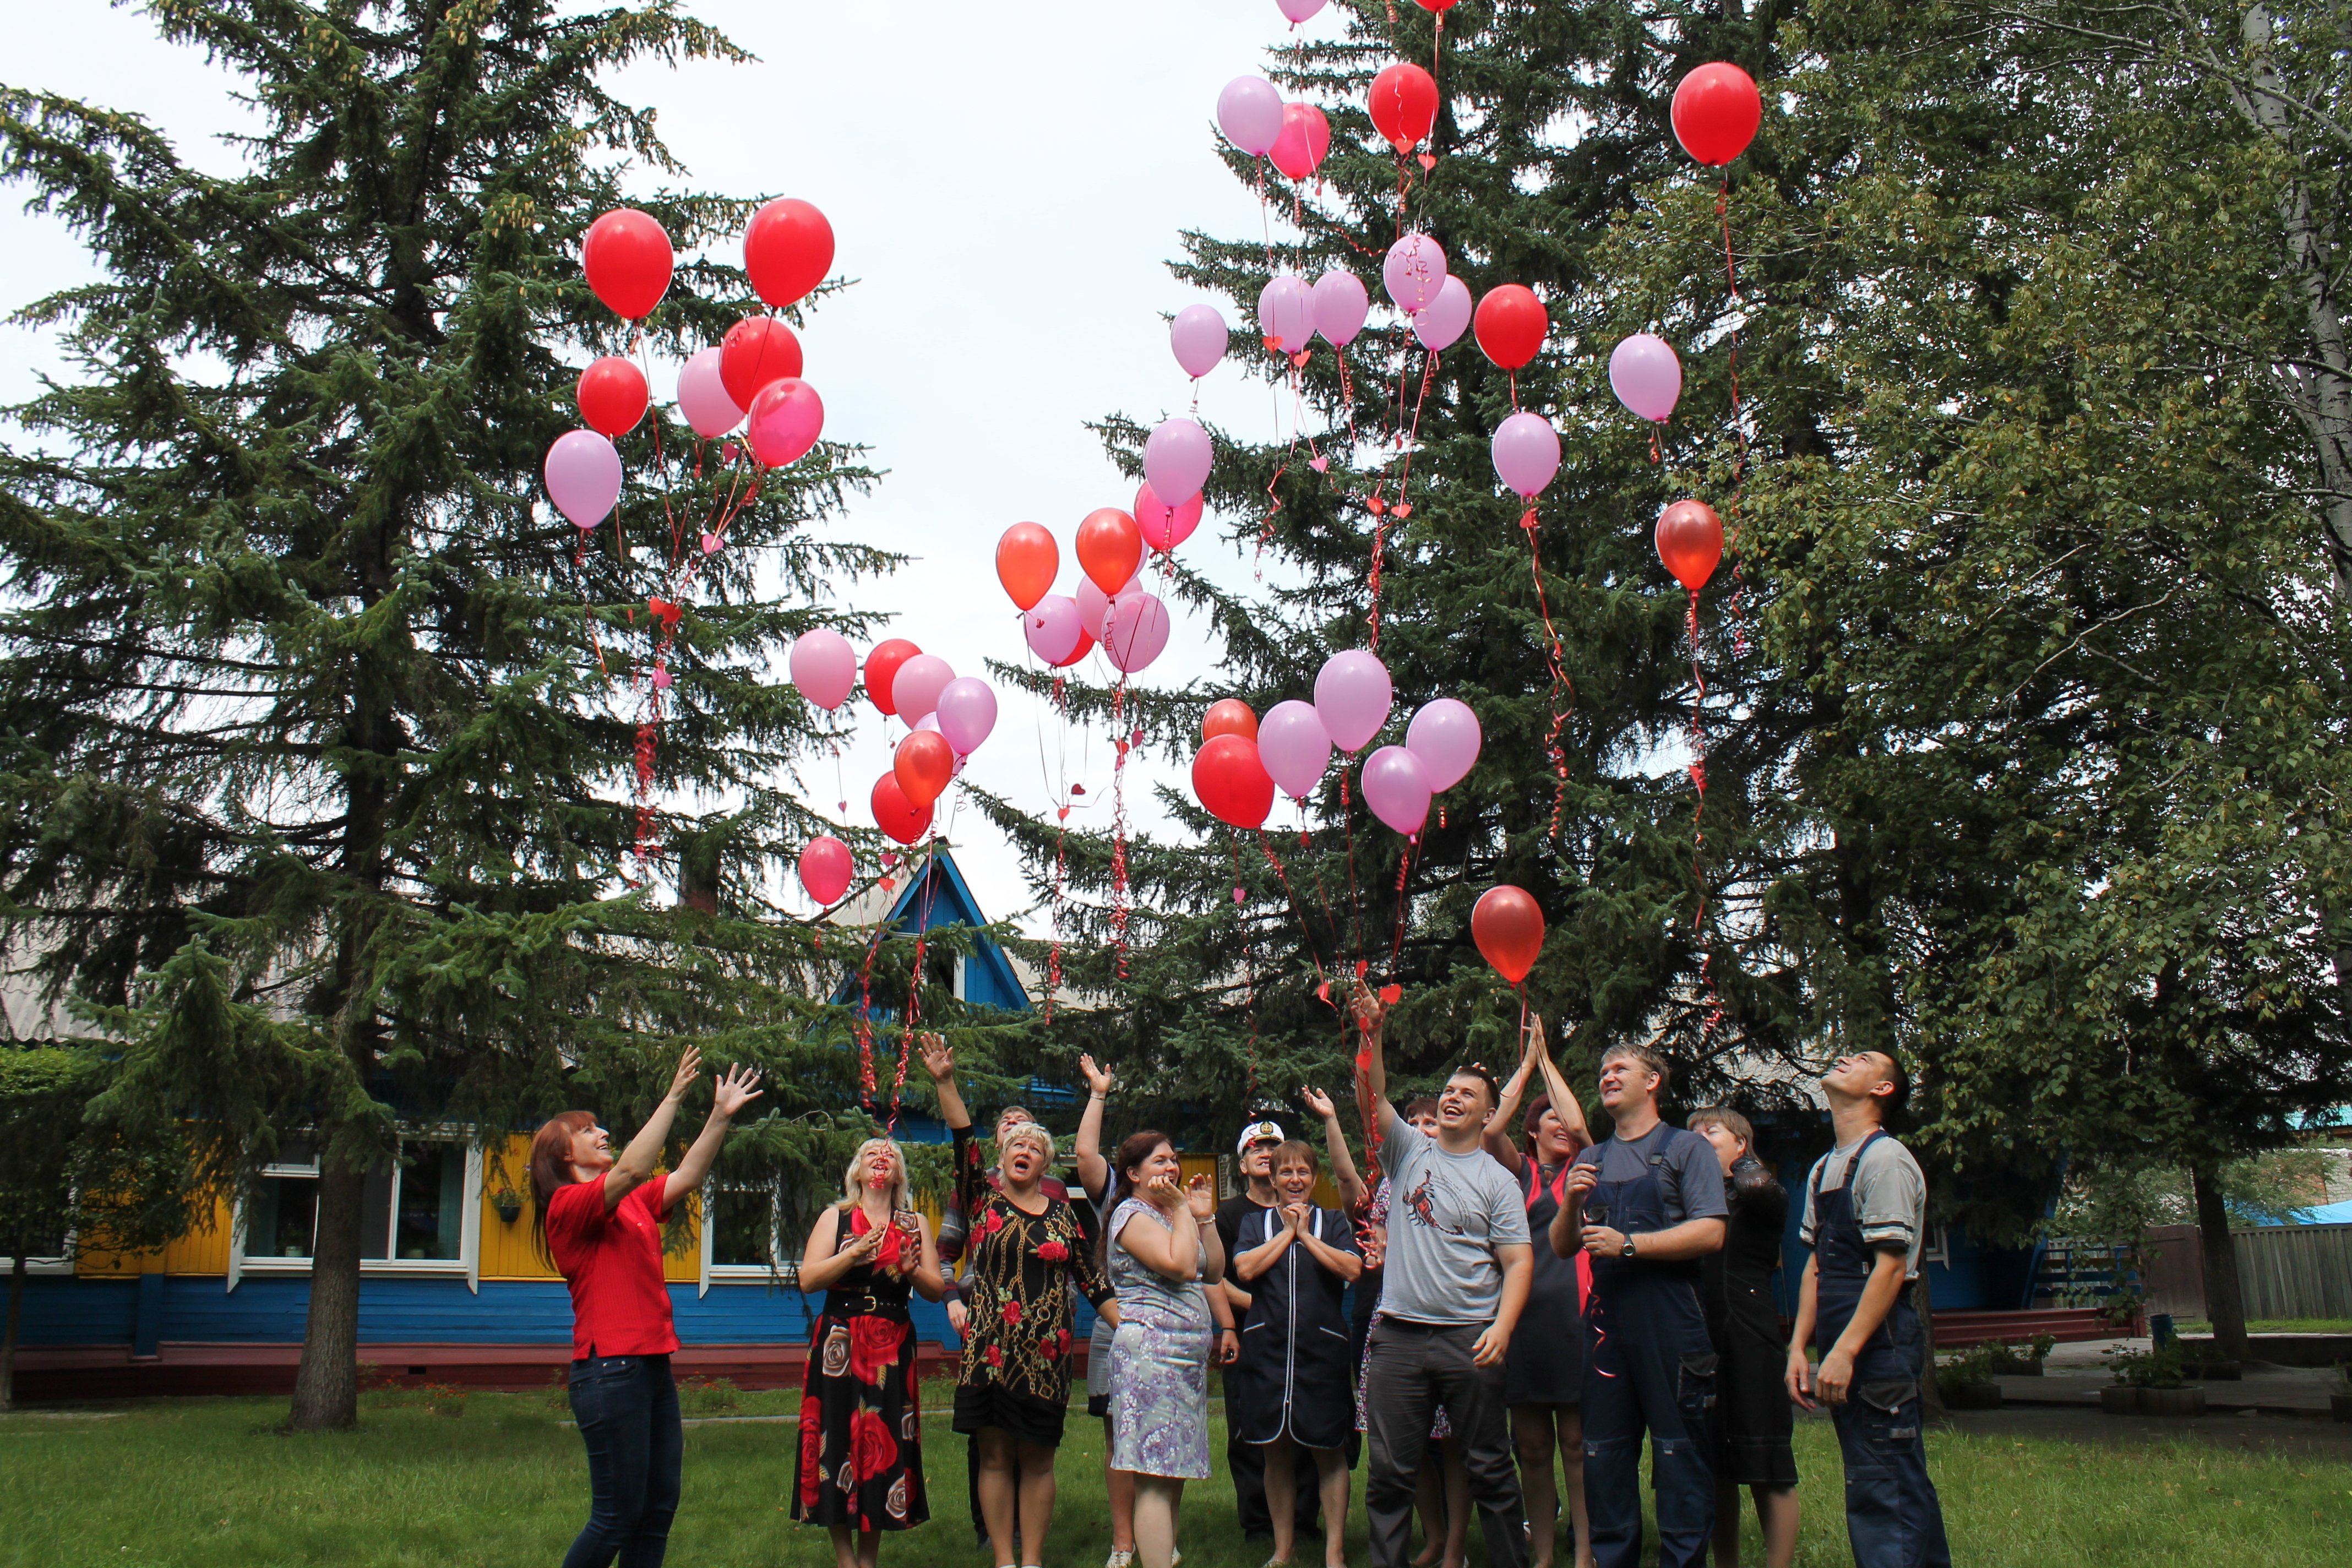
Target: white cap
(1258,1132)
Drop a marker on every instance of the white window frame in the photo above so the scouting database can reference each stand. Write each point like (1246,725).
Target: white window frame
(785,1269)
(60,1264)
(1937,1248)
(466,1265)
(963,963)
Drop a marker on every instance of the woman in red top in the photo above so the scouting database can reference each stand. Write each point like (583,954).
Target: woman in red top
(600,1218)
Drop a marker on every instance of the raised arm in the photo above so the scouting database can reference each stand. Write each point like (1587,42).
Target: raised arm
(737,1089)
(1352,1192)
(1094,1171)
(1498,1138)
(1372,1020)
(940,1062)
(637,1162)
(1564,1102)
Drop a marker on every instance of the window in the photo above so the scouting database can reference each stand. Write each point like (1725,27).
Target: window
(415,1210)
(50,1247)
(741,1235)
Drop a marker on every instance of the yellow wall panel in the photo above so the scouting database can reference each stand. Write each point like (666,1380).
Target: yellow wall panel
(509,1251)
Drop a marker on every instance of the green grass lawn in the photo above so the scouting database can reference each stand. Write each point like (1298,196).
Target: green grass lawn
(207,1483)
(2277,1326)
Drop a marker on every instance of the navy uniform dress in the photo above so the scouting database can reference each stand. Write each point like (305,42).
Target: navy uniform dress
(1650,1367)
(1754,1420)
(1893,1517)
(1296,1375)
(1545,1364)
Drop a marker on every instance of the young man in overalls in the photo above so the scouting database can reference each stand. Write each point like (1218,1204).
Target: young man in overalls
(1648,1205)
(1865,1211)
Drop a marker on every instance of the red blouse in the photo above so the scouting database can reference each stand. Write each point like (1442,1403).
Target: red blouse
(612,1260)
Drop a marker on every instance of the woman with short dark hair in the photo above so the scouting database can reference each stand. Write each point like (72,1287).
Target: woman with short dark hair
(600,1218)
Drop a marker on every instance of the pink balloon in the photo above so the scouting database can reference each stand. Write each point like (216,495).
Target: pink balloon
(1136,632)
(1445,736)
(1353,696)
(915,689)
(1294,747)
(1645,375)
(1413,272)
(584,476)
(1396,787)
(1340,305)
(824,667)
(1175,459)
(825,866)
(702,396)
(1198,336)
(1093,604)
(966,712)
(1527,454)
(1249,111)
(1285,312)
(1305,138)
(1164,527)
(1299,10)
(1447,317)
(1052,626)
(784,421)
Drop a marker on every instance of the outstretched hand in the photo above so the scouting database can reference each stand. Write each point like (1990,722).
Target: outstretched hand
(690,1067)
(939,1060)
(1316,1101)
(736,1090)
(1099,1079)
(1371,1013)
(1202,1196)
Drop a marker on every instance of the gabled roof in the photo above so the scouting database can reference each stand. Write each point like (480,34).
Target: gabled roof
(936,895)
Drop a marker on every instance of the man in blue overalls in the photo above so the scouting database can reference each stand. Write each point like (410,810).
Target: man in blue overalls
(1866,1212)
(1648,1205)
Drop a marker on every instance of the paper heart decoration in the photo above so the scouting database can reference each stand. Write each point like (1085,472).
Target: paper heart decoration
(1240,897)
(727,453)
(1389,994)
(1361,965)
(1403,509)
(711,544)
(1428,161)
(1376,506)
(1323,992)
(1077,789)
(1320,465)
(1063,814)
(1122,747)
(1273,345)
(1298,360)
(889,883)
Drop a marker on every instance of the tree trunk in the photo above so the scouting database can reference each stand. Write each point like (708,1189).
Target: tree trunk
(326,1386)
(2223,1303)
(1931,1393)
(16,1319)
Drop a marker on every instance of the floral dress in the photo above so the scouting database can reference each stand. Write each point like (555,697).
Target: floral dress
(1016,1350)
(1160,1361)
(860,1462)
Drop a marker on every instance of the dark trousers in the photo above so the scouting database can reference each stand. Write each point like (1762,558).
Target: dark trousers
(1892,1516)
(1413,1368)
(1644,1375)
(627,1409)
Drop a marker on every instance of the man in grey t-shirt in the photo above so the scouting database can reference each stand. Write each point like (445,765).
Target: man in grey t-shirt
(1456,1278)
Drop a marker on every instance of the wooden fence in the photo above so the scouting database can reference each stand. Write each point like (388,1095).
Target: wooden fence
(2283,1270)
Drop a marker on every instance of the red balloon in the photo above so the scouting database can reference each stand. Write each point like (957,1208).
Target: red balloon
(1509,930)
(1510,324)
(1403,104)
(923,765)
(1690,541)
(1441,6)
(612,396)
(897,815)
(1305,138)
(1716,110)
(787,250)
(628,260)
(756,351)
(1232,715)
(825,868)
(882,668)
(1110,547)
(1232,782)
(1026,559)
(1085,646)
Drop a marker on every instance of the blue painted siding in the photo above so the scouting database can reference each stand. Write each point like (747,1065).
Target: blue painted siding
(62,1311)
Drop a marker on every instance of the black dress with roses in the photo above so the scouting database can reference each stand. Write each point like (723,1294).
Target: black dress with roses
(1016,1350)
(860,1462)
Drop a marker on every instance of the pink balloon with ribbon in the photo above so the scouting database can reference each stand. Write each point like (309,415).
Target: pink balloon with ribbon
(914,688)
(1299,10)
(1295,747)
(1645,375)
(1136,632)
(1164,527)
(1249,111)
(823,666)
(1176,459)
(1093,604)
(1527,453)
(825,866)
(1440,326)
(584,476)
(1285,312)
(1353,696)
(966,711)
(1445,736)
(1051,626)
(1340,305)
(1396,787)
(1198,336)
(1413,272)
(784,421)
(702,396)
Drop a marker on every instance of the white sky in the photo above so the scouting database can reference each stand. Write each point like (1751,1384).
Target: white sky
(1007,185)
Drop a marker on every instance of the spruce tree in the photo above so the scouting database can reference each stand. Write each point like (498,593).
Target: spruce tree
(322,728)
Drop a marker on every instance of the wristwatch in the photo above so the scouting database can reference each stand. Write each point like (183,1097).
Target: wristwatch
(1628,1251)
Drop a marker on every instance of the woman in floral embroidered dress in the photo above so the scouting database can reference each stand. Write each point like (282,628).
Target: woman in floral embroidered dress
(1014,1390)
(859,1470)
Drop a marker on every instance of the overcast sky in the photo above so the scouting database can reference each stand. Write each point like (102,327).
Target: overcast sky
(1006,184)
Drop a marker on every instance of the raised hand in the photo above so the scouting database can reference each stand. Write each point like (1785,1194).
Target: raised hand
(1316,1101)
(1202,1195)
(690,1067)
(737,1089)
(1164,1192)
(1371,1013)
(1099,1079)
(939,1060)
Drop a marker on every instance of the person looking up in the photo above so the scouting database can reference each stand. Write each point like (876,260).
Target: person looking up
(1754,1423)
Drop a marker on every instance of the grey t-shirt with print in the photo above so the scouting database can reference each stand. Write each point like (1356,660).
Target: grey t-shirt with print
(1890,1196)
(1447,1216)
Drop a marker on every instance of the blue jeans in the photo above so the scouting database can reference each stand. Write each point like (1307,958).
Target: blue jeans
(1892,1517)
(627,1409)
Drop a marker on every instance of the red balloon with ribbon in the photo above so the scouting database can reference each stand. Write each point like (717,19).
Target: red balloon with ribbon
(825,866)
(882,668)
(628,259)
(612,395)
(1231,782)
(1508,927)
(923,765)
(1717,109)
(897,815)
(1690,543)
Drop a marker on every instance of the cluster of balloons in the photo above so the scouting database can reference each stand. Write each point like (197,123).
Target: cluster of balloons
(948,716)
(1109,605)
(1293,136)
(753,378)
(1243,759)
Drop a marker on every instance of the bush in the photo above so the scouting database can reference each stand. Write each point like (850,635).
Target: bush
(2162,1367)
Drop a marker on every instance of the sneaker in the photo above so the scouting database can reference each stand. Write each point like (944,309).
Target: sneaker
(1119,1560)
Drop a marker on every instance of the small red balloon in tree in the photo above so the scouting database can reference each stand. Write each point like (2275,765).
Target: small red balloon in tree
(897,815)
(628,260)
(1026,560)
(1690,541)
(787,249)
(882,668)
(1511,324)
(756,352)
(1508,928)
(1110,547)
(612,395)
(1230,716)
(1403,104)
(923,765)
(826,866)
(1716,112)
(1232,782)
